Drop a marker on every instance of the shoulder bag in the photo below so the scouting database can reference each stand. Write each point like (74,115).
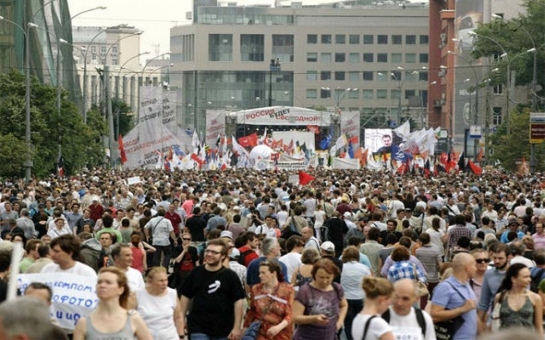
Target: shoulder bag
(253,330)
(445,330)
(421,288)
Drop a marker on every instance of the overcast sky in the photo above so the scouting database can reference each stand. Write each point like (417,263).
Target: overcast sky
(154,17)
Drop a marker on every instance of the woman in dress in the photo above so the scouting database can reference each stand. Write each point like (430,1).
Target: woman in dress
(520,307)
(111,319)
(139,257)
(378,297)
(320,306)
(271,303)
(160,307)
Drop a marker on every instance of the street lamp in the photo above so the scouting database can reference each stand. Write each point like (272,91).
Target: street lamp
(339,94)
(273,66)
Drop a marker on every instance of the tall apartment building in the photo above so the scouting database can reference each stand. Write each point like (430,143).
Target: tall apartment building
(338,56)
(49,62)
(460,97)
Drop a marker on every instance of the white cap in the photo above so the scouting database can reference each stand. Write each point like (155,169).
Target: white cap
(328,246)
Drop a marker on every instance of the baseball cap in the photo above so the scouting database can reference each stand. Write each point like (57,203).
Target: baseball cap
(226,233)
(364,219)
(235,253)
(347,214)
(328,246)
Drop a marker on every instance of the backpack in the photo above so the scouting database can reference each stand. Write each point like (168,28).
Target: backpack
(243,256)
(536,280)
(419,318)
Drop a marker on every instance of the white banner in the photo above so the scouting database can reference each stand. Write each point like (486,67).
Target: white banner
(306,138)
(283,115)
(215,125)
(74,296)
(346,163)
(350,126)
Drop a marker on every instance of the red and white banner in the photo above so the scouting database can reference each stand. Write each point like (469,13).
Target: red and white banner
(215,125)
(350,126)
(283,115)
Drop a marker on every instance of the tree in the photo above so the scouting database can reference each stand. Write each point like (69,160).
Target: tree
(48,128)
(510,148)
(509,41)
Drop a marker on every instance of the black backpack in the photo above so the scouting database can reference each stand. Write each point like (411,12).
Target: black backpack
(536,280)
(243,256)
(419,318)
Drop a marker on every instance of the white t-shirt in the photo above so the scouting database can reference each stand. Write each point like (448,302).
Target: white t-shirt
(134,279)
(377,327)
(407,327)
(78,269)
(292,261)
(158,313)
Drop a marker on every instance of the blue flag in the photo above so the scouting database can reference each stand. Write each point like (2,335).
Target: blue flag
(350,150)
(324,143)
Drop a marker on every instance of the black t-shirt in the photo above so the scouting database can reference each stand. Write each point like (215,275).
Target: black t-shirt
(214,295)
(196,226)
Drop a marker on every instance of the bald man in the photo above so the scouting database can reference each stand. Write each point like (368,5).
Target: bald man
(453,299)
(408,322)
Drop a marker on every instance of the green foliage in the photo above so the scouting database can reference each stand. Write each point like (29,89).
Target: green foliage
(119,107)
(515,37)
(509,148)
(12,156)
(48,128)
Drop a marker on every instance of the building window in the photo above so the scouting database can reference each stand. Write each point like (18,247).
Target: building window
(423,58)
(410,39)
(395,94)
(354,58)
(354,39)
(312,57)
(354,76)
(325,75)
(498,89)
(324,93)
(423,75)
(410,76)
(368,39)
(354,94)
(282,47)
(326,38)
(252,47)
(115,61)
(367,75)
(367,94)
(396,75)
(340,39)
(325,57)
(382,57)
(409,93)
(368,57)
(312,75)
(383,76)
(397,39)
(114,49)
(496,116)
(410,58)
(220,47)
(339,75)
(382,94)
(340,57)
(93,49)
(382,39)
(424,39)
(312,93)
(397,58)
(102,49)
(312,38)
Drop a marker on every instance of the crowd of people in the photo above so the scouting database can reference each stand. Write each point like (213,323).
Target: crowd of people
(246,254)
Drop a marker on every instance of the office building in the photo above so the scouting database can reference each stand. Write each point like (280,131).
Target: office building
(334,57)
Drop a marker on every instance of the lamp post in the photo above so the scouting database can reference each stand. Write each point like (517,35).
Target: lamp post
(273,66)
(339,95)
(28,140)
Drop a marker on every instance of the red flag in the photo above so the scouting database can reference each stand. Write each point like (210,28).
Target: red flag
(444,158)
(121,147)
(305,178)
(252,139)
(477,170)
(289,149)
(479,156)
(364,157)
(427,168)
(402,168)
(354,140)
(197,159)
(248,141)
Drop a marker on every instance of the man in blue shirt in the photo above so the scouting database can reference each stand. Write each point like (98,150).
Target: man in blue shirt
(454,297)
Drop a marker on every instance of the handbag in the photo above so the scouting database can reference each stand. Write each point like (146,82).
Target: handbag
(421,288)
(496,321)
(445,330)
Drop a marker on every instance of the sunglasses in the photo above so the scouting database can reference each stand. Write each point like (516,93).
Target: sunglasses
(186,239)
(482,260)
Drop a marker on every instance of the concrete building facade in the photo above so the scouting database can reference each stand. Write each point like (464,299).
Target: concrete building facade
(337,58)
